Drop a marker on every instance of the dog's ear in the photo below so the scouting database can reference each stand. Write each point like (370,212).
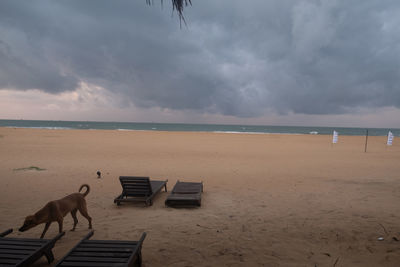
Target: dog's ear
(30,220)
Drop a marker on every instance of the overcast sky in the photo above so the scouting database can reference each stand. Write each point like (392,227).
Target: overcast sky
(281,62)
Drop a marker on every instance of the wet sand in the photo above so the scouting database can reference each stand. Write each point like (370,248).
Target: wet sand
(269,199)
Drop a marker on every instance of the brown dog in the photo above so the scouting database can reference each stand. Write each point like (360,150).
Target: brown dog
(55,211)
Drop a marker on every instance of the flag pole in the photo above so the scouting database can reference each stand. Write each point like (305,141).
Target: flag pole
(386,146)
(366,141)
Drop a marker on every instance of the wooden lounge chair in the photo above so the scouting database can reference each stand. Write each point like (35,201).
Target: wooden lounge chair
(107,253)
(185,194)
(139,189)
(25,251)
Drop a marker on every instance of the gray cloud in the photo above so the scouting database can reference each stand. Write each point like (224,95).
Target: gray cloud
(287,56)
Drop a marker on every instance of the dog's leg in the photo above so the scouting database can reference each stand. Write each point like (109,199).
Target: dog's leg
(46,227)
(60,224)
(73,214)
(83,211)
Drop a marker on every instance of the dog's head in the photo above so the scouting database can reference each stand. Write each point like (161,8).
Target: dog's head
(30,221)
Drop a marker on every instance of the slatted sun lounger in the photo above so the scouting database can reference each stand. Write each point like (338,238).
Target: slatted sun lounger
(139,189)
(185,194)
(104,253)
(25,251)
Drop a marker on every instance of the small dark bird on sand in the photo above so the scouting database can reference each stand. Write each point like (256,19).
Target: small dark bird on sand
(98,174)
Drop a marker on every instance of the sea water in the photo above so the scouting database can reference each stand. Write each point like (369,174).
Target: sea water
(223,128)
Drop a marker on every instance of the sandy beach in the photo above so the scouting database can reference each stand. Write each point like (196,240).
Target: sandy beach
(269,199)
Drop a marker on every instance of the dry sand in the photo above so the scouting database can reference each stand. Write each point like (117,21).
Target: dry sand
(269,200)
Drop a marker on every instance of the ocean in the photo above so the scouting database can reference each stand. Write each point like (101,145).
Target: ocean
(141,126)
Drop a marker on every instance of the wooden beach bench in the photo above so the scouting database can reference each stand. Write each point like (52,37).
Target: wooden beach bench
(185,194)
(104,253)
(25,251)
(139,189)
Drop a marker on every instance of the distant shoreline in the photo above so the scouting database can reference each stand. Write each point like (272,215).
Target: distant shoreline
(181,127)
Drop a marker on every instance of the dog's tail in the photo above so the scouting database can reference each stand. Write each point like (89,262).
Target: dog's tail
(87,189)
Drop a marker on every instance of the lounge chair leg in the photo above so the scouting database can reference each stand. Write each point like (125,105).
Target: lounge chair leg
(6,232)
(139,261)
(49,256)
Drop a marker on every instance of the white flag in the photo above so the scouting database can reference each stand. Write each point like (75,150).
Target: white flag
(390,138)
(335,137)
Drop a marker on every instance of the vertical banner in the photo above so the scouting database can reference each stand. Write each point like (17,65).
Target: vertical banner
(390,138)
(335,137)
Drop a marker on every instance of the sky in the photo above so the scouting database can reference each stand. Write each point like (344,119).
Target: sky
(265,62)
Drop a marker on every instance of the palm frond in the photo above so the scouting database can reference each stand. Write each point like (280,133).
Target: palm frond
(177,5)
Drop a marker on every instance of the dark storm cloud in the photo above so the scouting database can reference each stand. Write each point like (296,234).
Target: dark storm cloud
(312,57)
